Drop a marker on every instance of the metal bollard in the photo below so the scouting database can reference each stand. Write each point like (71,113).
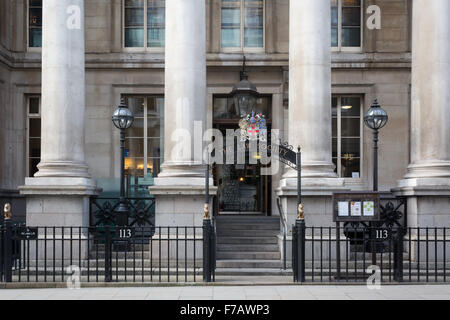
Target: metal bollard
(207,250)
(7,244)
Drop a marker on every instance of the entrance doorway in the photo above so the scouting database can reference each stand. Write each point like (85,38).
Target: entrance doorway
(242,190)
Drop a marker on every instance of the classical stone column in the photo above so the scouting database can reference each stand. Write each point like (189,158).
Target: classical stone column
(310,85)
(427,181)
(58,194)
(310,112)
(179,187)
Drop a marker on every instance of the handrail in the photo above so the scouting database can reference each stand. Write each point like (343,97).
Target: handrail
(283,220)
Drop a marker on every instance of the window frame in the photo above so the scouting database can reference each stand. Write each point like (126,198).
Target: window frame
(32,49)
(31,116)
(339,135)
(145,48)
(242,30)
(339,47)
(145,136)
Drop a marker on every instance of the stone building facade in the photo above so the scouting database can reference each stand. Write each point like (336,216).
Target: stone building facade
(175,62)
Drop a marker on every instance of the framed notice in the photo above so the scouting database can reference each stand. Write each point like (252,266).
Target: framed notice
(356,206)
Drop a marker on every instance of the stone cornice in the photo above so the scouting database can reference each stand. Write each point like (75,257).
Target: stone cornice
(110,61)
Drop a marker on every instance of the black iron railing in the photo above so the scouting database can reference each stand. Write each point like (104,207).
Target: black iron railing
(393,254)
(105,254)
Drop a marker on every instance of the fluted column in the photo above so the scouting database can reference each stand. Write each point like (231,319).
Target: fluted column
(63,90)
(185,88)
(430,112)
(310,86)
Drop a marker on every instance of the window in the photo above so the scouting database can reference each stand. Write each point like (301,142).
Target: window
(242,24)
(33,134)
(347,128)
(145,139)
(346,31)
(144,25)
(35,23)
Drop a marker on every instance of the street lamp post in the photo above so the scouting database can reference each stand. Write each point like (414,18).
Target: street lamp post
(375,119)
(122,119)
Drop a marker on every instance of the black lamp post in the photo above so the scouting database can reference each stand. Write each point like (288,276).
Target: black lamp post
(122,119)
(375,118)
(244,94)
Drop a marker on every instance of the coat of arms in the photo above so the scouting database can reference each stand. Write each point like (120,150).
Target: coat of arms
(253,127)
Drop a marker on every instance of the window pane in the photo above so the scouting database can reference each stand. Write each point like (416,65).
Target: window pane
(134,17)
(334,147)
(35,128)
(334,37)
(134,38)
(334,14)
(134,167)
(35,24)
(351,17)
(156,22)
(231,23)
(351,106)
(34,106)
(231,17)
(351,23)
(137,129)
(351,37)
(35,148)
(334,127)
(231,38)
(134,147)
(254,24)
(136,105)
(350,127)
(134,23)
(350,146)
(156,38)
(334,106)
(253,38)
(350,167)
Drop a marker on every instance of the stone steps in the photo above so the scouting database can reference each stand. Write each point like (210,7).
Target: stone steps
(248,247)
(248,242)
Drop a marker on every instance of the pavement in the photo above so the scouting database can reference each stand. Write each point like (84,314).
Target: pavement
(252,292)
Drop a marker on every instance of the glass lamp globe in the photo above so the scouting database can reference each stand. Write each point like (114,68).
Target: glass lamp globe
(122,117)
(376,117)
(244,95)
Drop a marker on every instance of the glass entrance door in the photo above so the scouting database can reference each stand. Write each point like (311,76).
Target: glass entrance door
(241,187)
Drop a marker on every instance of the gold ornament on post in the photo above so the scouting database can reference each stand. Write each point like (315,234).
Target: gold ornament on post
(7,211)
(300,215)
(206,215)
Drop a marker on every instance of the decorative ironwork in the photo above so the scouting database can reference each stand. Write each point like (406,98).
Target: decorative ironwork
(391,214)
(286,154)
(103,211)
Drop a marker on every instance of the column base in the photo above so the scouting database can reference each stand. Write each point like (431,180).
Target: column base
(428,201)
(316,198)
(61,202)
(57,169)
(434,169)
